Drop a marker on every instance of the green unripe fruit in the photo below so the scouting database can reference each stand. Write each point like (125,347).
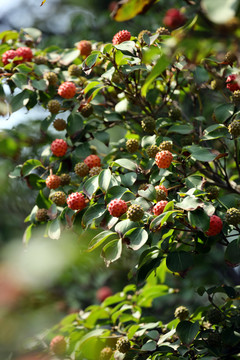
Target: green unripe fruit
(163,31)
(41,215)
(235,98)
(233,216)
(166,145)
(59,124)
(160,195)
(59,198)
(95,170)
(140,35)
(74,70)
(40,60)
(65,179)
(213,192)
(214,316)
(51,77)
(135,212)
(152,150)
(230,57)
(217,84)
(123,345)
(181,313)
(106,353)
(174,113)
(81,169)
(148,125)
(214,339)
(86,110)
(82,80)
(132,145)
(234,128)
(54,106)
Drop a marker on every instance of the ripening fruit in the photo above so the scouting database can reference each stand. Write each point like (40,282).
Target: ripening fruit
(160,194)
(152,151)
(8,55)
(76,201)
(92,161)
(53,181)
(95,171)
(51,77)
(81,169)
(58,345)
(41,215)
(163,159)
(181,313)
(135,212)
(86,110)
(59,124)
(74,70)
(235,98)
(233,82)
(59,197)
(162,187)
(40,60)
(117,207)
(123,345)
(59,147)
(103,293)
(148,125)
(166,145)
(67,90)
(106,353)
(121,36)
(65,179)
(85,47)
(173,18)
(132,145)
(159,207)
(234,128)
(54,106)
(25,52)
(215,226)
(233,216)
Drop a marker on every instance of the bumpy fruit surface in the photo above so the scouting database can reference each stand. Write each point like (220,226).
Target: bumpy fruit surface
(59,197)
(25,52)
(214,316)
(213,192)
(215,226)
(166,145)
(74,70)
(95,170)
(67,90)
(81,169)
(59,147)
(103,293)
(233,216)
(106,353)
(140,35)
(58,345)
(8,55)
(76,201)
(234,128)
(230,57)
(123,345)
(163,31)
(233,82)
(53,181)
(148,125)
(173,18)
(181,313)
(51,77)
(174,113)
(163,159)
(92,161)
(40,60)
(41,215)
(217,84)
(162,187)
(121,36)
(152,151)
(85,47)
(135,212)
(143,187)
(160,195)
(54,106)
(159,207)
(132,145)
(235,98)
(65,179)
(59,124)
(117,207)
(86,110)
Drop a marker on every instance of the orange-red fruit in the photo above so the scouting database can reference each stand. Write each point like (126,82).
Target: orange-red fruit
(159,207)
(53,181)
(67,90)
(85,47)
(117,207)
(163,159)
(92,161)
(173,18)
(25,52)
(162,187)
(76,201)
(233,82)
(103,293)
(121,36)
(8,55)
(215,226)
(58,345)
(59,147)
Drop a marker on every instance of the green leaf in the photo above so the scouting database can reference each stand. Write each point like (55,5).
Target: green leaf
(149,193)
(68,56)
(35,181)
(201,153)
(187,331)
(232,254)
(30,165)
(42,201)
(104,179)
(123,226)
(23,68)
(179,261)
(99,239)
(112,251)
(129,9)
(20,100)
(148,262)
(54,229)
(126,164)
(33,32)
(223,112)
(47,122)
(150,345)
(215,132)
(27,234)
(181,129)
(128,179)
(74,125)
(220,11)
(20,80)
(115,192)
(90,62)
(161,219)
(190,203)
(199,219)
(16,172)
(90,186)
(160,66)
(137,238)
(92,213)
(8,35)
(39,84)
(149,293)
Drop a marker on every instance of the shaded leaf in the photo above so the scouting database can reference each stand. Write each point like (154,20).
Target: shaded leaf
(99,239)
(137,237)
(187,331)
(112,251)
(179,261)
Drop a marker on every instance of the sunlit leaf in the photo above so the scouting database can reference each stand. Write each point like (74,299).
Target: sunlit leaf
(129,9)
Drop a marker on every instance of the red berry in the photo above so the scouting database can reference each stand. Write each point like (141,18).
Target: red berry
(103,293)
(215,226)
(8,55)
(233,82)
(58,345)
(67,90)
(163,159)
(117,207)
(92,161)
(121,36)
(162,187)
(173,18)
(85,47)
(59,147)
(53,181)
(159,207)
(24,52)
(76,201)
